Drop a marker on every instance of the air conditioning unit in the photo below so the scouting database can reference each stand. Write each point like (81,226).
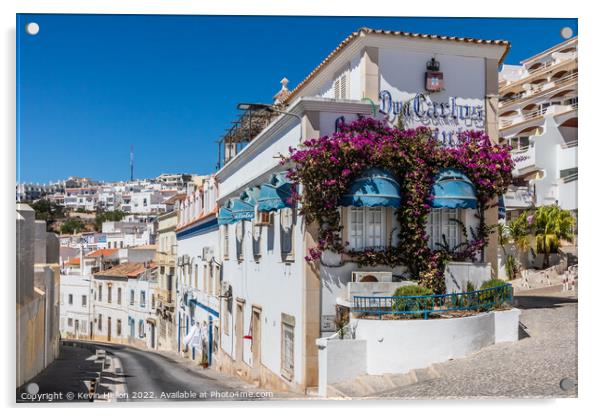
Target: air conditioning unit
(368,277)
(207,253)
(263,218)
(226,290)
(185,259)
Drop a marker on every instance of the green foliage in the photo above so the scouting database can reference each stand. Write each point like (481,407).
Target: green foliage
(107,216)
(491,298)
(519,231)
(552,224)
(413,304)
(511,267)
(48,211)
(73,225)
(470,286)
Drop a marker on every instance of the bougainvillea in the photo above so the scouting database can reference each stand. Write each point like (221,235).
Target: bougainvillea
(326,166)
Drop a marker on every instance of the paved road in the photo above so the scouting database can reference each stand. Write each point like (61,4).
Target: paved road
(139,375)
(150,376)
(532,367)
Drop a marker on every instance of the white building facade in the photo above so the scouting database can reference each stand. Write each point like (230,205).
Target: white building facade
(274,303)
(198,274)
(538,117)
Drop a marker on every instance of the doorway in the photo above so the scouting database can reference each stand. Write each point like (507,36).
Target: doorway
(109,329)
(239,330)
(256,340)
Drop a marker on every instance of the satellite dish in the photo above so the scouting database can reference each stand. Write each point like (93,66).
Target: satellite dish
(566,32)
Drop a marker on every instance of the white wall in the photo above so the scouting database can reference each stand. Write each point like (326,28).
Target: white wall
(77,286)
(398,346)
(260,161)
(274,285)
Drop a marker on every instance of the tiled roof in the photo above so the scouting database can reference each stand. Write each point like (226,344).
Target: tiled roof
(74,261)
(145,247)
(126,270)
(397,33)
(105,252)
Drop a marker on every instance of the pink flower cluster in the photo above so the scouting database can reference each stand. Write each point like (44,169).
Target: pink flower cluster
(326,166)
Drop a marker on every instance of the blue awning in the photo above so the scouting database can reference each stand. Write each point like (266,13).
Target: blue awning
(374,188)
(275,194)
(224,216)
(242,210)
(453,189)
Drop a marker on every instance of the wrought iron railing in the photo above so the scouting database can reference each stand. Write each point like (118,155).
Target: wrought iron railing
(424,306)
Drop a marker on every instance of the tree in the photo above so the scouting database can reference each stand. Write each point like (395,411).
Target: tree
(519,231)
(72,225)
(105,216)
(552,224)
(48,211)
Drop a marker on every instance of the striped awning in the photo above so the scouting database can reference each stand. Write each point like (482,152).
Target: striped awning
(374,188)
(453,189)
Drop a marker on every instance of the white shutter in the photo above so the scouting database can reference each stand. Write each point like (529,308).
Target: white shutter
(356,228)
(286,230)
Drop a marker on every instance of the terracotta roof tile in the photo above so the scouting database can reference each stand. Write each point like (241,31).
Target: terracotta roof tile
(125,270)
(105,252)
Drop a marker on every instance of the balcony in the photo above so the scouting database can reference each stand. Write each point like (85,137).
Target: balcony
(560,59)
(548,87)
(518,197)
(524,161)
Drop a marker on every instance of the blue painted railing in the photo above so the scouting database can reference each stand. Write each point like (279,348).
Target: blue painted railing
(423,306)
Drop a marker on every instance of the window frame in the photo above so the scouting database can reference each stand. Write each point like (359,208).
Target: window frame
(353,226)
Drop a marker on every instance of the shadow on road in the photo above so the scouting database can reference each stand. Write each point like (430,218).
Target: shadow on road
(538,302)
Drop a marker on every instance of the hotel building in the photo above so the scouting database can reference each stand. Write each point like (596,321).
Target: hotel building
(538,117)
(274,304)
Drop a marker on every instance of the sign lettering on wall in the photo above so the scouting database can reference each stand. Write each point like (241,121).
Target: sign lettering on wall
(446,119)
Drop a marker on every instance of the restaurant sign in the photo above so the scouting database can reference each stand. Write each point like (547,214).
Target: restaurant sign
(446,119)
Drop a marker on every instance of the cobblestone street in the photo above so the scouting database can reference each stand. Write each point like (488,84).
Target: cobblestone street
(533,367)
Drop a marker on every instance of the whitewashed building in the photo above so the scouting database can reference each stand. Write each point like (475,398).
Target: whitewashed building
(274,303)
(538,117)
(198,273)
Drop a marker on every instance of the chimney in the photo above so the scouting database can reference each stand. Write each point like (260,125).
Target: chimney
(283,93)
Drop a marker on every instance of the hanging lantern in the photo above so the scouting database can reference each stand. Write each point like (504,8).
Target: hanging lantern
(434,77)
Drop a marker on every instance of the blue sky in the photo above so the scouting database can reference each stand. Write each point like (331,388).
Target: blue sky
(89,86)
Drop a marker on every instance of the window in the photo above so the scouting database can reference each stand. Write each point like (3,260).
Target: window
(100,292)
(205,279)
(153,301)
(119,327)
(257,230)
(132,296)
(225,230)
(141,328)
(109,294)
(443,222)
(366,227)
(240,234)
(287,359)
(70,322)
(341,86)
(286,230)
(142,298)
(119,296)
(100,322)
(196,276)
(70,299)
(84,300)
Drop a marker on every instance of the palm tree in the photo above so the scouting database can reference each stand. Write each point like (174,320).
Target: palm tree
(551,225)
(519,230)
